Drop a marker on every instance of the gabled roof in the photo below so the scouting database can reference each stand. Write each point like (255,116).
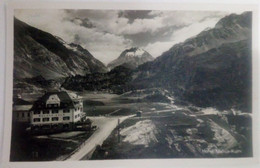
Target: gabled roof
(19,101)
(65,98)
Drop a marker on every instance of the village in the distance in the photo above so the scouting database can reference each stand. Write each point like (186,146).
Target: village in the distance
(193,101)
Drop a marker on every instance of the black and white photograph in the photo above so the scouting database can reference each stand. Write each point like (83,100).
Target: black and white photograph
(119,84)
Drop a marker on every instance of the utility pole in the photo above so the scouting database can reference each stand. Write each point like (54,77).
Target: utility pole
(118,131)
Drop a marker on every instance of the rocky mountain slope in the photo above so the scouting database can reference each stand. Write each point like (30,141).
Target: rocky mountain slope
(131,58)
(40,53)
(210,69)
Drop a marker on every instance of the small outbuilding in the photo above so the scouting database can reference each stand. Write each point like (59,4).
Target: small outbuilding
(139,113)
(21,110)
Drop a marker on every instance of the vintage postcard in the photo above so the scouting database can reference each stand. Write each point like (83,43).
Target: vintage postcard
(97,81)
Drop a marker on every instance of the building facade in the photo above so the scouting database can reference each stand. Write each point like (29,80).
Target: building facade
(21,110)
(56,110)
(21,113)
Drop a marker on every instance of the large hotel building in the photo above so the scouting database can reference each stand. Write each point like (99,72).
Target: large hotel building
(56,110)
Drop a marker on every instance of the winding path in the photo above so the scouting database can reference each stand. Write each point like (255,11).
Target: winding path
(105,127)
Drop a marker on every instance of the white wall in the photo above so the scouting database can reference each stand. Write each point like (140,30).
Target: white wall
(60,114)
(53,99)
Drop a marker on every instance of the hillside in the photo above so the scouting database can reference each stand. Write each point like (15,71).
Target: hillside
(115,81)
(40,53)
(210,69)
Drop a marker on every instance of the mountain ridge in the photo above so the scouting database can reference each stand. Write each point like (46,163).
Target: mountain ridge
(180,69)
(38,52)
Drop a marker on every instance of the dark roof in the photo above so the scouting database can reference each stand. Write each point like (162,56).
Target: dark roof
(63,96)
(66,101)
(19,101)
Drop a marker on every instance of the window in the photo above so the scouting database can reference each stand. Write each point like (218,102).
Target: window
(55,105)
(23,115)
(46,112)
(37,112)
(76,116)
(45,119)
(28,114)
(66,110)
(66,118)
(48,105)
(36,119)
(55,111)
(55,119)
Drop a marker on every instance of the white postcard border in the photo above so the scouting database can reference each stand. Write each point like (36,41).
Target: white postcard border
(131,162)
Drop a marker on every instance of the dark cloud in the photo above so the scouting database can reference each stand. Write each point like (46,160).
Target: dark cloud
(85,22)
(143,38)
(135,14)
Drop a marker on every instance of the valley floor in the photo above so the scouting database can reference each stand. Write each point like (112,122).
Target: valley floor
(168,130)
(164,129)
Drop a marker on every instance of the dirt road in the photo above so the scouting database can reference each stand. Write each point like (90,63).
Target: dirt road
(105,126)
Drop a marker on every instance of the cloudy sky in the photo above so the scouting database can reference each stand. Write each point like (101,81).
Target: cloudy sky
(106,33)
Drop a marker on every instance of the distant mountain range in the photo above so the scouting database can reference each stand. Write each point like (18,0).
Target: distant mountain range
(131,58)
(39,53)
(210,69)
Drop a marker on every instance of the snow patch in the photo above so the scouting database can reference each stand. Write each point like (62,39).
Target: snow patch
(208,111)
(70,47)
(138,53)
(130,54)
(142,133)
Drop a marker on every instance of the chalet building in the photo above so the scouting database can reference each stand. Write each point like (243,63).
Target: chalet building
(56,110)
(21,110)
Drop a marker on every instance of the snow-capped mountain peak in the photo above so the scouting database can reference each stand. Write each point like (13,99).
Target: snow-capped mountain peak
(132,57)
